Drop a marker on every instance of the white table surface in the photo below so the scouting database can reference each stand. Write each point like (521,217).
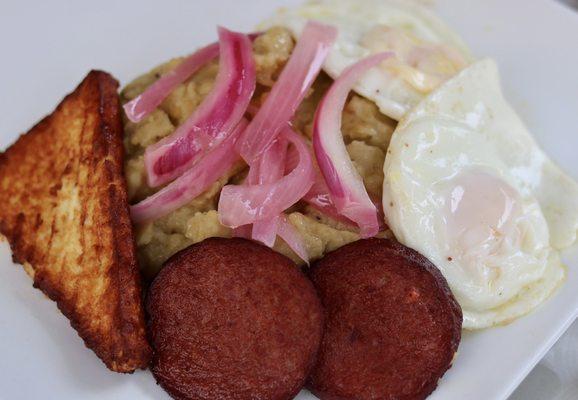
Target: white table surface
(556,376)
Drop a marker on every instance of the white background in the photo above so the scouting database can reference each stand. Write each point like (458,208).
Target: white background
(47,47)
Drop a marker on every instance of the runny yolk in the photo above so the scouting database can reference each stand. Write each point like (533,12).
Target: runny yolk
(481,213)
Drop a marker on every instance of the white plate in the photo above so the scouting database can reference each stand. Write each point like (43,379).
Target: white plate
(47,47)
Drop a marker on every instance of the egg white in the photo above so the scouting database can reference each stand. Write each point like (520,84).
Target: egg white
(354,19)
(465,135)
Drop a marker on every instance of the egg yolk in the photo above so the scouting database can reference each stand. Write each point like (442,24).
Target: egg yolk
(481,213)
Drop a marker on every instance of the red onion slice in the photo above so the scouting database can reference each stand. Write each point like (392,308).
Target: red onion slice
(245,204)
(214,119)
(265,231)
(153,96)
(318,196)
(192,183)
(268,168)
(243,232)
(296,79)
(271,168)
(289,234)
(144,104)
(345,185)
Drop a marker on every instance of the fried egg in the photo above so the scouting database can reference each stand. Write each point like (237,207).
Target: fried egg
(468,187)
(426,51)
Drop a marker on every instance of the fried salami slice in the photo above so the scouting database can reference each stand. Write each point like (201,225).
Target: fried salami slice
(392,325)
(231,319)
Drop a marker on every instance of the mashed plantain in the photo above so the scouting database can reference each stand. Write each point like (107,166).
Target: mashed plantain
(366,131)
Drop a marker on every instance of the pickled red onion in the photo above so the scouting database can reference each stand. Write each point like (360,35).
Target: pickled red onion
(293,84)
(195,181)
(145,103)
(289,234)
(214,119)
(243,231)
(246,204)
(345,185)
(271,168)
(153,96)
(266,231)
(318,196)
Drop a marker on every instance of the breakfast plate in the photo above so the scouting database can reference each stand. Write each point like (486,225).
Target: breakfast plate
(43,357)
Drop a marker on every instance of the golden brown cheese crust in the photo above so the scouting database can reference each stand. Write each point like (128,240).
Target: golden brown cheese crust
(65,214)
